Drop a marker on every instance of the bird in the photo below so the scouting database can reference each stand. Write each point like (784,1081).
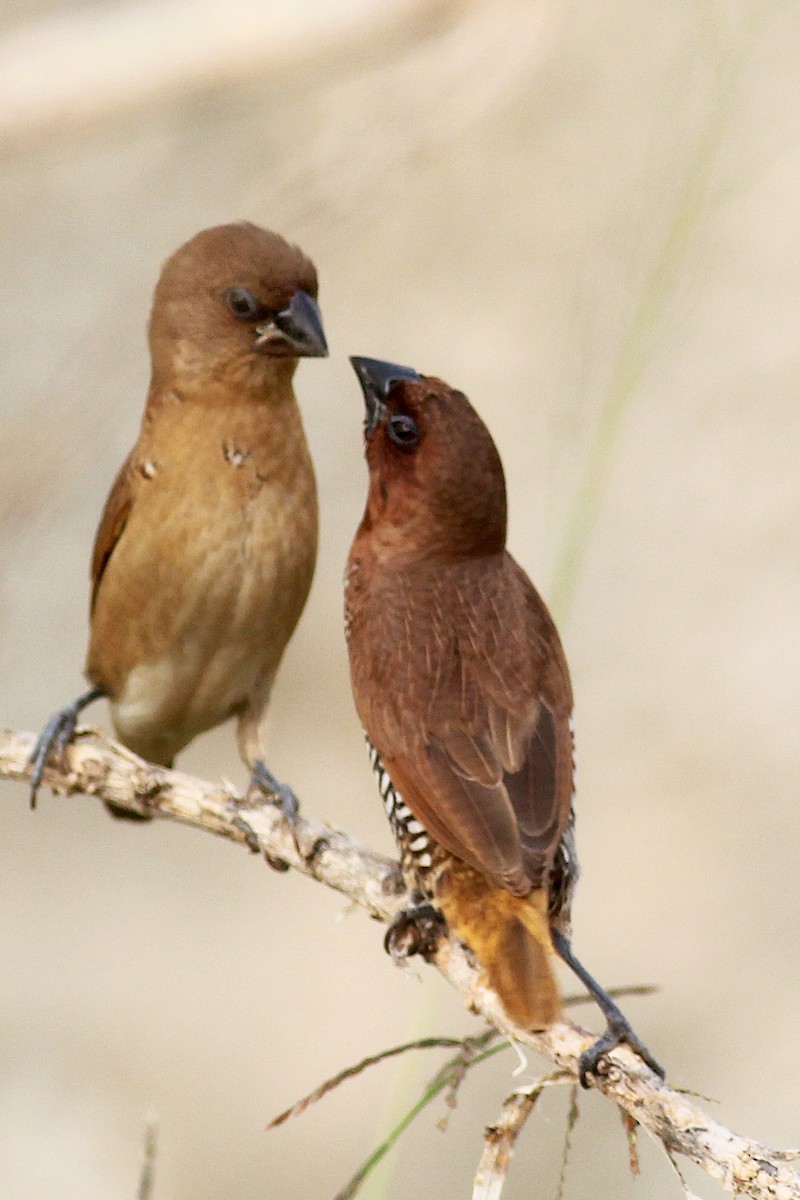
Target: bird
(207,543)
(463,690)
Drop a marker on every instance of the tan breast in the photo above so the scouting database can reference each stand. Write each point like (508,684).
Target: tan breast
(212,569)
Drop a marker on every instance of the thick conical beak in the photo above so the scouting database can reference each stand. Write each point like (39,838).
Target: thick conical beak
(376,379)
(296,332)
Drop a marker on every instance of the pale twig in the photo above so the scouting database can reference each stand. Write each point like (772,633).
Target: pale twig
(687,1191)
(500,1138)
(97,766)
(632,1138)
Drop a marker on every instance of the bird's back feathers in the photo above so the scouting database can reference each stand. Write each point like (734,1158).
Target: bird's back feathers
(461,684)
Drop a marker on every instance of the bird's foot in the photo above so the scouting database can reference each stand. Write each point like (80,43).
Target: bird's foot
(53,740)
(265,789)
(593,1061)
(618,1029)
(55,737)
(125,814)
(415,930)
(251,838)
(253,843)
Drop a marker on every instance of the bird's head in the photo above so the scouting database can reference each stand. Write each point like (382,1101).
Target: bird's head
(436,483)
(235,303)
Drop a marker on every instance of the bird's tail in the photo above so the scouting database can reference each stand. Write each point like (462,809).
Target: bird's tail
(510,937)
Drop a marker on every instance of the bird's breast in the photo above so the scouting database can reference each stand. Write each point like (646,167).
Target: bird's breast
(210,574)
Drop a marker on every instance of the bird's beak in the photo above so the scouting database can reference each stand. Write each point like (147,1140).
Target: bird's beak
(296,332)
(376,379)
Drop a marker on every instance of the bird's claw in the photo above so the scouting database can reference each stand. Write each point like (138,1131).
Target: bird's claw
(594,1063)
(265,788)
(415,930)
(248,833)
(52,741)
(318,846)
(56,736)
(264,782)
(252,841)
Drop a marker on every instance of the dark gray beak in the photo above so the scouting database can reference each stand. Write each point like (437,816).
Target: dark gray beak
(376,379)
(296,332)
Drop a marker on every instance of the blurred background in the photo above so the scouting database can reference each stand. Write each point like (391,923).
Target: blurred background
(586,216)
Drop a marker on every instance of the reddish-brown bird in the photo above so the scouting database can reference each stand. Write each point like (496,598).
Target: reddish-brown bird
(462,686)
(206,547)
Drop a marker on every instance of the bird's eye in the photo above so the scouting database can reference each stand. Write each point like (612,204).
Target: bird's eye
(404,431)
(242,303)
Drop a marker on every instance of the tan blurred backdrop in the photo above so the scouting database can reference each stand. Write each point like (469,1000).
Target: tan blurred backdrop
(585,215)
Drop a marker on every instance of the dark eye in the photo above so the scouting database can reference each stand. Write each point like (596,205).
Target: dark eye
(404,431)
(242,303)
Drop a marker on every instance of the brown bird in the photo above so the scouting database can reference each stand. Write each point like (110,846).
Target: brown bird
(206,547)
(463,690)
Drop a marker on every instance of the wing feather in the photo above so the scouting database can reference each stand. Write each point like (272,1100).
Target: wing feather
(472,718)
(112,523)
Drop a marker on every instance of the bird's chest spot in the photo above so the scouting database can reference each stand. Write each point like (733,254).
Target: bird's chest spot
(250,472)
(418,851)
(234,455)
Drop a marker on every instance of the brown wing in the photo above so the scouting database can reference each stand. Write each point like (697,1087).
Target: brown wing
(112,522)
(473,728)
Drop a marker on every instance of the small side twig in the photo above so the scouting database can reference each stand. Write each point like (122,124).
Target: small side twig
(687,1191)
(500,1138)
(632,1137)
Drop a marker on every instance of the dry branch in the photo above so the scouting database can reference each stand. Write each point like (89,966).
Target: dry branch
(98,767)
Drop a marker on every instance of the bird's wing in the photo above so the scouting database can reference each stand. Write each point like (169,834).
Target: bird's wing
(112,522)
(480,744)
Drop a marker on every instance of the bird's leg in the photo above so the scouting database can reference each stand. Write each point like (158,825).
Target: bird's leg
(414,930)
(618,1029)
(56,736)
